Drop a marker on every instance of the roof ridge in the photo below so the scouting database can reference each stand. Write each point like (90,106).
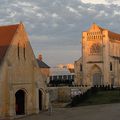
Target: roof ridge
(9,25)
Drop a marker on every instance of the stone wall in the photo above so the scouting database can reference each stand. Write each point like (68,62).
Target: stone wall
(63,94)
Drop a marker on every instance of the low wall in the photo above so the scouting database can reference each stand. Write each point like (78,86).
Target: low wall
(63,94)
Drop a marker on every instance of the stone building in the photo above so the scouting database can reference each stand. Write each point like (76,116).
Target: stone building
(60,77)
(44,68)
(22,89)
(100,61)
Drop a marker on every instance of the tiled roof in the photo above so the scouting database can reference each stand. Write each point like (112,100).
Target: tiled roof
(42,64)
(6,35)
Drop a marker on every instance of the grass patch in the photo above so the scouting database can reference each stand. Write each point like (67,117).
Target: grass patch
(96,98)
(103,97)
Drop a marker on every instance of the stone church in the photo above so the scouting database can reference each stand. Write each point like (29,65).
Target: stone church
(22,87)
(100,60)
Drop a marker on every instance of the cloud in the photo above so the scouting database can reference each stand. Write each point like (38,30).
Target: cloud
(54,15)
(73,10)
(95,1)
(104,2)
(55,26)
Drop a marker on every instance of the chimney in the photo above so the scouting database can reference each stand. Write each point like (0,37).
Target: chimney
(40,57)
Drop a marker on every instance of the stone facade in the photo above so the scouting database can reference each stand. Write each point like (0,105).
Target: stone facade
(22,88)
(44,69)
(100,61)
(78,72)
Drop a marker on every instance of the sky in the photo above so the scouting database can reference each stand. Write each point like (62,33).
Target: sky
(54,27)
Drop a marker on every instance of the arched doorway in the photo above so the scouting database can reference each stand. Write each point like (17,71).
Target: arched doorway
(96,76)
(20,102)
(40,100)
(97,79)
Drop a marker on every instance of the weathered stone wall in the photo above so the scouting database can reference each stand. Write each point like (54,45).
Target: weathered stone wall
(78,73)
(63,94)
(97,59)
(20,71)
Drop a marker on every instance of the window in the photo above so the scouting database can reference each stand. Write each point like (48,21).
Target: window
(18,51)
(54,77)
(64,77)
(50,77)
(24,51)
(95,48)
(110,66)
(69,77)
(72,76)
(60,77)
(80,67)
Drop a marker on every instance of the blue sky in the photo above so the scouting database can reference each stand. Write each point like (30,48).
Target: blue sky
(54,26)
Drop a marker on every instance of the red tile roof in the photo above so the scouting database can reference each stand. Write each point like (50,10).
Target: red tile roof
(6,35)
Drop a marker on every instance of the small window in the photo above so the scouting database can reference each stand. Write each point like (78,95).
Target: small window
(110,66)
(69,77)
(80,67)
(64,77)
(18,51)
(24,52)
(54,77)
(72,76)
(60,77)
(50,77)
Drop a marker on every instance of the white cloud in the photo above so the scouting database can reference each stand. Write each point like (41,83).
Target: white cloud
(94,1)
(54,15)
(91,10)
(116,12)
(28,4)
(12,14)
(102,13)
(73,10)
(117,2)
(15,5)
(40,15)
(80,7)
(29,10)
(105,2)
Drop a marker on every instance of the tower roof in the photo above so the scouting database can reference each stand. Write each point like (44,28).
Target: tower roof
(6,36)
(95,26)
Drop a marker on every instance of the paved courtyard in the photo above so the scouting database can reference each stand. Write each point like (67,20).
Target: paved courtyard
(97,112)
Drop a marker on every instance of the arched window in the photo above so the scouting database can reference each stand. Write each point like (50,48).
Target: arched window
(80,67)
(110,66)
